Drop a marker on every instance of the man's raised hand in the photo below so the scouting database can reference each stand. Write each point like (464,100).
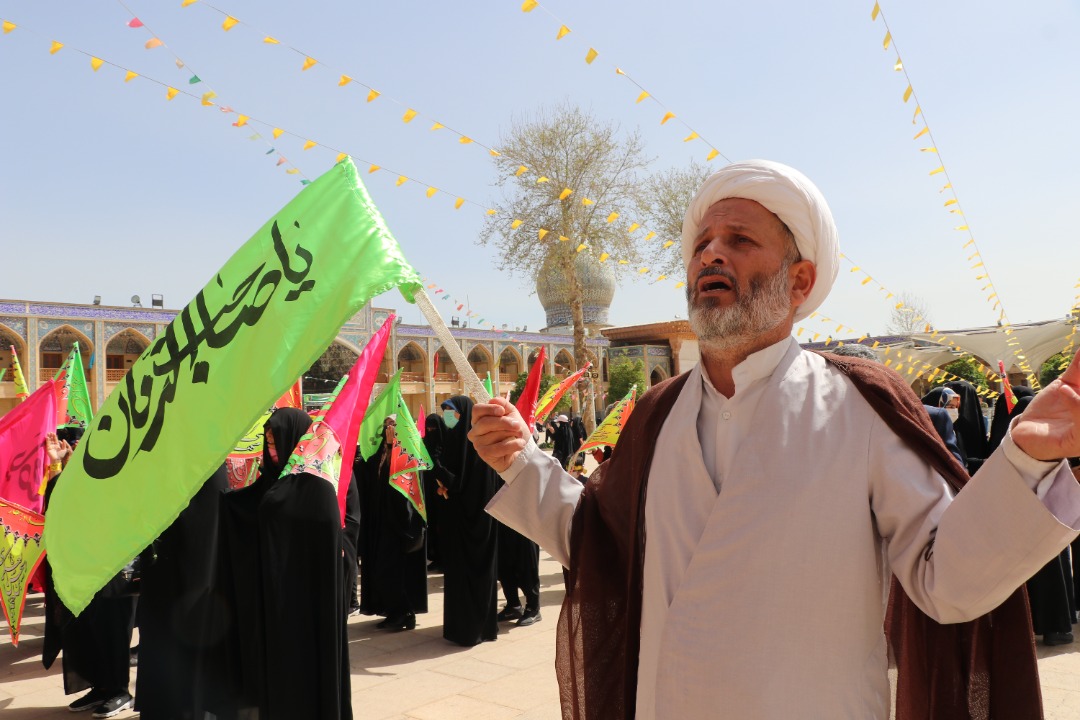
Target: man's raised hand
(498,433)
(1050,427)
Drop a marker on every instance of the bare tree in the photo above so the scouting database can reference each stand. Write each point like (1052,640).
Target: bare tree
(565,148)
(665,197)
(909,317)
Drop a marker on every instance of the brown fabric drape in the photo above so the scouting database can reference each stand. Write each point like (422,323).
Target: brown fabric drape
(969,671)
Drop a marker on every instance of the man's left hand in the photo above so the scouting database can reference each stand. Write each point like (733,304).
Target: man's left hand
(1050,427)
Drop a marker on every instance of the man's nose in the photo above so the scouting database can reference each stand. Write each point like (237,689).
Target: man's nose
(713,253)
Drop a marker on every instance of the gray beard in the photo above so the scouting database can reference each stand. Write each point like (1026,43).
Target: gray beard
(760,307)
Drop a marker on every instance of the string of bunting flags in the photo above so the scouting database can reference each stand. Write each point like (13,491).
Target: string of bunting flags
(347,80)
(952,202)
(590,57)
(156,41)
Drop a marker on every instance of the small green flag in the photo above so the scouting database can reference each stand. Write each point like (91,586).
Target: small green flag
(262,320)
(74,409)
(487,385)
(407,458)
(384,405)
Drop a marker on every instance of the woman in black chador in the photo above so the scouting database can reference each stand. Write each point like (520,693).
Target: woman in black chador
(468,536)
(282,580)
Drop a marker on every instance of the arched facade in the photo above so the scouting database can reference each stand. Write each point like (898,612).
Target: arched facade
(509,365)
(55,346)
(412,361)
(480,360)
(564,363)
(121,352)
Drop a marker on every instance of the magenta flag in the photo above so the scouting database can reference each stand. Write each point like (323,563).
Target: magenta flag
(347,412)
(22,447)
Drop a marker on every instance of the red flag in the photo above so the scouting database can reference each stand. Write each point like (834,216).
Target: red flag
(1010,399)
(554,394)
(22,447)
(421,422)
(526,404)
(347,412)
(435,371)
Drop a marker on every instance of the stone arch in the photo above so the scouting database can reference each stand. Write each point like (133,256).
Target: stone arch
(330,367)
(564,362)
(121,352)
(480,360)
(446,369)
(8,338)
(510,365)
(657,376)
(533,357)
(54,348)
(412,360)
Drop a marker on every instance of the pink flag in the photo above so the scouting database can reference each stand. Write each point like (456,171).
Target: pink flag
(22,447)
(526,404)
(347,412)
(421,422)
(134,23)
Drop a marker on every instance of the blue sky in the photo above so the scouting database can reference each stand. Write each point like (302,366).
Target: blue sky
(120,192)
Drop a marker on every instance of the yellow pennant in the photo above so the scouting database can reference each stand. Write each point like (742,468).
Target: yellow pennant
(651,235)
(926,129)
(491,211)
(563,238)
(372,94)
(309,62)
(642,271)
(669,243)
(521,171)
(229,24)
(618,71)
(8,27)
(494,152)
(907,93)
(928,149)
(641,97)
(153,43)
(458,203)
(542,232)
(373,168)
(293,171)
(667,116)
(801,330)
(208,98)
(590,56)
(581,247)
(612,217)
(918,111)
(632,228)
(276,132)
(565,193)
(464,140)
(340,157)
(409,115)
(887,41)
(401,180)
(712,154)
(431,192)
(961,227)
(662,277)
(170,93)
(529,5)
(542,179)
(950,202)
(944,187)
(586,202)
(681,284)
(271,41)
(310,144)
(96,63)
(899,64)
(130,76)
(185,3)
(939,169)
(563,32)
(345,80)
(691,136)
(241,120)
(55,47)
(604,256)
(437,126)
(866,280)
(514,225)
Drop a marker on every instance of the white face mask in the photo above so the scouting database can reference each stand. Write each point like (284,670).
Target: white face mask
(953,413)
(450,418)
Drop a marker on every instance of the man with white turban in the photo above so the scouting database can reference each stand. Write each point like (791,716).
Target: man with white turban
(727,561)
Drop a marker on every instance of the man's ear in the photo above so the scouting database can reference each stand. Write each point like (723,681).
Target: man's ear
(802,275)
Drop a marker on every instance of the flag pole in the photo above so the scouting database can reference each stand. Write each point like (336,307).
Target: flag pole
(473,385)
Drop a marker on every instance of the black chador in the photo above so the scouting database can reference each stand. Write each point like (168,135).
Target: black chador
(468,536)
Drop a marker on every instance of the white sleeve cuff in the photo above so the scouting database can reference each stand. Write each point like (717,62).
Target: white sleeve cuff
(509,474)
(1037,474)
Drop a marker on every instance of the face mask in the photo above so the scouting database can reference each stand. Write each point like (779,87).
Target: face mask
(953,413)
(449,418)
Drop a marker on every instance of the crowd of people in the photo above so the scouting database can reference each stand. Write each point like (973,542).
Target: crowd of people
(242,604)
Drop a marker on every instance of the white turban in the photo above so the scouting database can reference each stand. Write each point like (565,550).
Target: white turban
(788,194)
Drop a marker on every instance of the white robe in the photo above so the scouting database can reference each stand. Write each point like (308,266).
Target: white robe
(763,578)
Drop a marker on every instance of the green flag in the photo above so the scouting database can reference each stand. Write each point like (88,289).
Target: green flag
(408,457)
(384,405)
(487,385)
(74,409)
(262,320)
